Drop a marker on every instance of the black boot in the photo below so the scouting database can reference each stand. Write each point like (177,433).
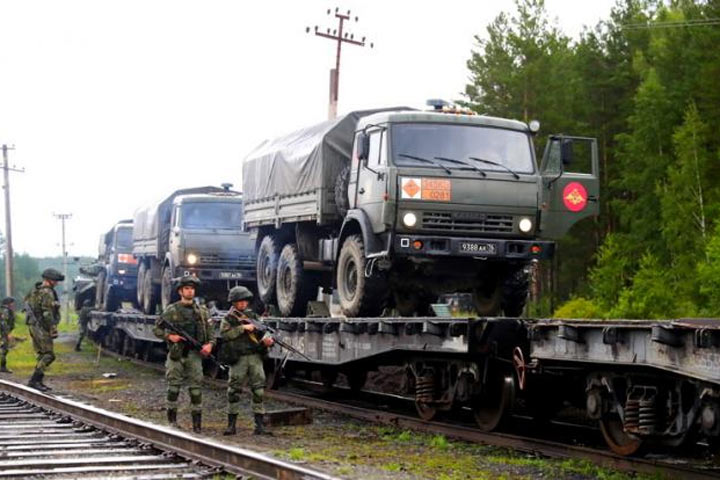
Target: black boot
(197,421)
(77,347)
(260,425)
(42,384)
(232,419)
(35,381)
(3,367)
(172,417)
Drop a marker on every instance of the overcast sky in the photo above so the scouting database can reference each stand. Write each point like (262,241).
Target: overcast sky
(113,103)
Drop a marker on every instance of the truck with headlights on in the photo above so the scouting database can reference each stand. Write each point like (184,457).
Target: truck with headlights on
(115,272)
(394,207)
(193,231)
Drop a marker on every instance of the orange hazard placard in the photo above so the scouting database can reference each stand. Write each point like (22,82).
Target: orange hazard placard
(436,189)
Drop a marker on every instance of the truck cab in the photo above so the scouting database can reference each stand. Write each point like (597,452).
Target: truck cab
(449,203)
(115,281)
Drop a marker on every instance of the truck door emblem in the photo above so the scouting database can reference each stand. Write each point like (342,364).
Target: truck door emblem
(575,196)
(411,188)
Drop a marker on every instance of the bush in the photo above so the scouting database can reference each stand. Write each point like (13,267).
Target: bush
(579,307)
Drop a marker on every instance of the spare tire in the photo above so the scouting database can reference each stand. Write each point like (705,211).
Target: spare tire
(342,202)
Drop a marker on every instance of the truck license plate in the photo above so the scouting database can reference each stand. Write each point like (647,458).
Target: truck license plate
(478,248)
(230,275)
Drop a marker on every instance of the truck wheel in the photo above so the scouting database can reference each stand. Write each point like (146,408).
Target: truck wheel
(167,293)
(295,286)
(341,191)
(409,303)
(111,302)
(486,299)
(266,269)
(140,286)
(149,294)
(359,295)
(100,291)
(515,291)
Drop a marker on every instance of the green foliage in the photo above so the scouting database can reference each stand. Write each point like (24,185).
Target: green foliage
(439,441)
(579,307)
(651,98)
(708,272)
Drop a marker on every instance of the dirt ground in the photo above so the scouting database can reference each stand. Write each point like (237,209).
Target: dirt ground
(333,444)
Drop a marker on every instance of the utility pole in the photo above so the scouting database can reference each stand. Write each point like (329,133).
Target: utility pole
(62,217)
(9,255)
(339,36)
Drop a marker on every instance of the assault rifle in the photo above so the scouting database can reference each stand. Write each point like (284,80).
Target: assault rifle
(193,342)
(261,328)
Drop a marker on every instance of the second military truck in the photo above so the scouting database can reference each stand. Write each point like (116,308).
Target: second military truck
(395,207)
(196,231)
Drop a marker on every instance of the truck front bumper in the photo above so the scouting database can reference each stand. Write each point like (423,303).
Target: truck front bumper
(489,248)
(124,282)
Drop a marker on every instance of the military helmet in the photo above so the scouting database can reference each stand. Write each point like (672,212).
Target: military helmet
(187,280)
(239,293)
(52,274)
(8,300)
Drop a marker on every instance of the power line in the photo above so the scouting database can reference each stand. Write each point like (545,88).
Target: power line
(705,22)
(9,255)
(340,37)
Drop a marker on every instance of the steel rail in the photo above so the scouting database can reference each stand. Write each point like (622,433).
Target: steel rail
(524,444)
(231,459)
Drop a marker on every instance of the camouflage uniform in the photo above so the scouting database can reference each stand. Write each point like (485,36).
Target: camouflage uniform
(184,364)
(83,319)
(42,323)
(7,324)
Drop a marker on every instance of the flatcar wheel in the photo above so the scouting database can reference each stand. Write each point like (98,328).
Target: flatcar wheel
(619,442)
(128,349)
(426,411)
(356,380)
(490,408)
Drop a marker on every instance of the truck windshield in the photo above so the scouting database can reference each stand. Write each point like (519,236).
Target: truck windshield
(507,149)
(211,215)
(123,239)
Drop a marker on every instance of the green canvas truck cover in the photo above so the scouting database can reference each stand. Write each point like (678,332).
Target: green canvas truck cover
(304,160)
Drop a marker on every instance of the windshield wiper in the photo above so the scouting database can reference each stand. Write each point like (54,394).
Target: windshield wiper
(426,160)
(517,177)
(460,162)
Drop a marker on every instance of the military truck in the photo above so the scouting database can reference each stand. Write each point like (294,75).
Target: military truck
(115,272)
(395,207)
(196,231)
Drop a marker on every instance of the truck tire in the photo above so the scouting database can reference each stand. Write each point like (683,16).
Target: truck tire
(266,269)
(295,286)
(111,302)
(359,295)
(149,294)
(140,286)
(342,202)
(411,303)
(487,300)
(100,291)
(515,291)
(168,295)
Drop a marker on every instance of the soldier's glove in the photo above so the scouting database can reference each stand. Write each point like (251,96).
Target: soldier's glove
(174,338)
(206,349)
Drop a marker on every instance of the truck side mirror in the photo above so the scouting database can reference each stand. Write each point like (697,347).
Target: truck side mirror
(566,151)
(363,146)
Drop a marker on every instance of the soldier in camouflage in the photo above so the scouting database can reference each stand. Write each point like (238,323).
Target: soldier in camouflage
(244,351)
(7,324)
(83,319)
(42,317)
(183,363)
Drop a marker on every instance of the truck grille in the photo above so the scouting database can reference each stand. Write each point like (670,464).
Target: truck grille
(243,261)
(471,223)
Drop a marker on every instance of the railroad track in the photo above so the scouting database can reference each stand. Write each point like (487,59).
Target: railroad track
(683,468)
(47,436)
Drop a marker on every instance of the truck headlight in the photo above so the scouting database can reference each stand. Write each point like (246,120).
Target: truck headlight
(525,225)
(409,219)
(192,259)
